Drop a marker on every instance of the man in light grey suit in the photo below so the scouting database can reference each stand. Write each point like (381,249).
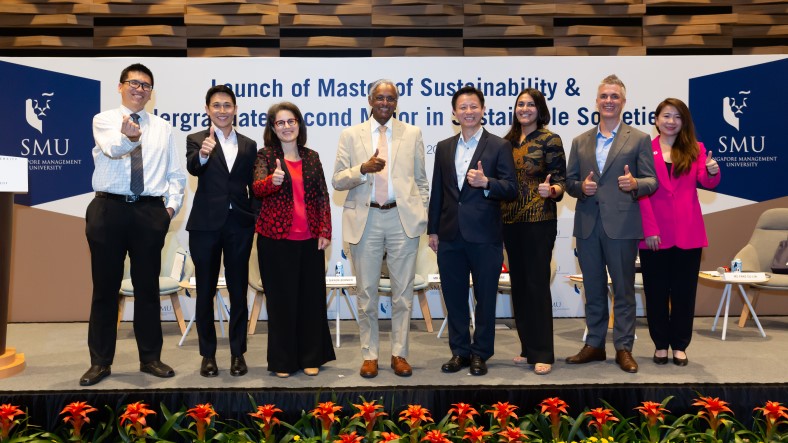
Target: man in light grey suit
(380,163)
(609,167)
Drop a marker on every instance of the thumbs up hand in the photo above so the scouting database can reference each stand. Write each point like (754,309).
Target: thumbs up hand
(208,144)
(589,185)
(279,174)
(374,164)
(626,182)
(476,177)
(711,165)
(544,188)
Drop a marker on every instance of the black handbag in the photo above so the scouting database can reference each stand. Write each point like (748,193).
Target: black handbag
(780,260)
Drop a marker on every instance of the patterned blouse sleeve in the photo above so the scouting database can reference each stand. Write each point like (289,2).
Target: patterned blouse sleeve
(263,184)
(555,159)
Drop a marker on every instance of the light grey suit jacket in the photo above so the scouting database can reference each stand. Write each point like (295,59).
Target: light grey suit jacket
(408,177)
(619,210)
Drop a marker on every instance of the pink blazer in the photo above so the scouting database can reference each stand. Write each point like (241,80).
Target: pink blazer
(673,211)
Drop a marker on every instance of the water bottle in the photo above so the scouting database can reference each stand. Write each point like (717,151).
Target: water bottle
(339,270)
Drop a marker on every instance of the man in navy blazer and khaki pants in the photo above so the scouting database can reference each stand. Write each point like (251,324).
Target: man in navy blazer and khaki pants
(609,167)
(221,222)
(474,171)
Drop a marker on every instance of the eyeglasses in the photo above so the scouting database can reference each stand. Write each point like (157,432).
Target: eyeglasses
(222,106)
(136,84)
(281,123)
(384,99)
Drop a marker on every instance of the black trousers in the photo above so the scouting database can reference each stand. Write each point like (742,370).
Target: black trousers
(670,282)
(234,240)
(457,259)
(294,278)
(114,228)
(529,247)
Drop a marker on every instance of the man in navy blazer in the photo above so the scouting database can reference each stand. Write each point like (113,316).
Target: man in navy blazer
(221,222)
(609,167)
(474,171)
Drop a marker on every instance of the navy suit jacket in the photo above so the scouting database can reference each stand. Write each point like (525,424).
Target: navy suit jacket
(217,186)
(468,212)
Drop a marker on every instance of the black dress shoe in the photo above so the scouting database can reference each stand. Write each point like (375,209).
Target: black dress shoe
(478,366)
(238,366)
(157,368)
(456,363)
(95,374)
(679,361)
(660,360)
(208,368)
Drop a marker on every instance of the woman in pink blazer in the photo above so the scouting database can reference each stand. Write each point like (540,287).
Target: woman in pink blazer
(674,231)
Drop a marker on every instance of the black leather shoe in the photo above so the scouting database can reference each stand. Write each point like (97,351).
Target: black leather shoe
(456,363)
(208,368)
(157,368)
(238,366)
(679,361)
(660,360)
(95,374)
(478,366)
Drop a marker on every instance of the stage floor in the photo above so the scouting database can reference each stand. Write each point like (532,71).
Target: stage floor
(56,356)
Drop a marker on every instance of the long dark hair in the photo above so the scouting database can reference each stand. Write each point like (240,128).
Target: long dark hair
(685,149)
(542,115)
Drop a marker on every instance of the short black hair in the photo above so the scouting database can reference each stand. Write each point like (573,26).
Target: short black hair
(219,89)
(269,135)
(467,90)
(136,67)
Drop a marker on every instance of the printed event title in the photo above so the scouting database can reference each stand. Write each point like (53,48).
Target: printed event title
(329,88)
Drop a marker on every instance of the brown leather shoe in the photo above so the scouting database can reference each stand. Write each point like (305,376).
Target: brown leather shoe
(625,361)
(586,355)
(401,366)
(369,369)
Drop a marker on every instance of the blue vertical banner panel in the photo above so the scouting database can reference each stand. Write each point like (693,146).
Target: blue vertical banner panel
(48,119)
(740,115)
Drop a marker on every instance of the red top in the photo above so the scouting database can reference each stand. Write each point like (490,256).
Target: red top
(299,230)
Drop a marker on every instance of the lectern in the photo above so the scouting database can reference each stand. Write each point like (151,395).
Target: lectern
(13,179)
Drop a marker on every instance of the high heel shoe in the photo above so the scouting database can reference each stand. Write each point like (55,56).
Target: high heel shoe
(660,360)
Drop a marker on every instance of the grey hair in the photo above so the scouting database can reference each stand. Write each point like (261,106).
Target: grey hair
(613,79)
(382,81)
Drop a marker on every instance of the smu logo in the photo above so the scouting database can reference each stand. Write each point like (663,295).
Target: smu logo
(740,116)
(49,119)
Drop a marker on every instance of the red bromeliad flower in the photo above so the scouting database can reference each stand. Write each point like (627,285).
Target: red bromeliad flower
(462,414)
(202,418)
(502,412)
(349,438)
(77,415)
(414,415)
(265,414)
(369,412)
(512,434)
(713,407)
(773,412)
(7,420)
(653,412)
(389,436)
(476,434)
(135,414)
(436,436)
(325,412)
(553,407)
(599,418)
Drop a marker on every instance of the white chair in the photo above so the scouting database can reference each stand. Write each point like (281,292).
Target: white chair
(172,256)
(757,254)
(256,283)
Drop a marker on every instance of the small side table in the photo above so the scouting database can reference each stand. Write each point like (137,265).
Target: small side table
(337,286)
(714,276)
(221,307)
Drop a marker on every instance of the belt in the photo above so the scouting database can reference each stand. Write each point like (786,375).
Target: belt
(128,198)
(386,206)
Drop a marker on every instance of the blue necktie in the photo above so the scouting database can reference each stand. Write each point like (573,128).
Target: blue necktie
(137,176)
